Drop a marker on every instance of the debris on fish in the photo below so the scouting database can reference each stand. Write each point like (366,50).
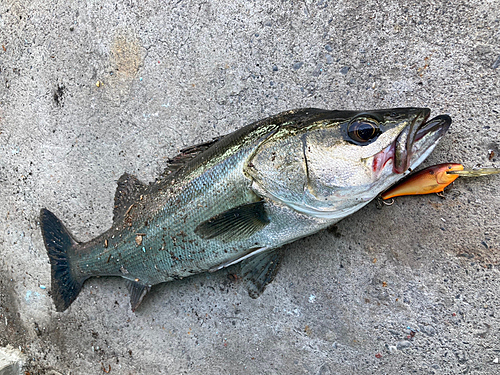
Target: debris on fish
(430,180)
(240,197)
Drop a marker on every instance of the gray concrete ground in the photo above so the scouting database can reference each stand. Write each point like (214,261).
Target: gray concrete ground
(11,361)
(92,89)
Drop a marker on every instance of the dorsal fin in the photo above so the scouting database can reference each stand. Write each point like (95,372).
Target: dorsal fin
(185,155)
(128,190)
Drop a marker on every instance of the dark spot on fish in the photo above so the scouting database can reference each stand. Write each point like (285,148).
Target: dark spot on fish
(146,223)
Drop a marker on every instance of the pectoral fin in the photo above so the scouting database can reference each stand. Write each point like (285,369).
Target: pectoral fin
(235,224)
(260,270)
(137,292)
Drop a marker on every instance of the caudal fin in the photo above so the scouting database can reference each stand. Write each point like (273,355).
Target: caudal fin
(65,287)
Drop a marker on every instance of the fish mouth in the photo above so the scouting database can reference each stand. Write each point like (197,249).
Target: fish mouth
(418,139)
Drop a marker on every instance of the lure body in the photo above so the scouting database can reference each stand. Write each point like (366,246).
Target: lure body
(430,180)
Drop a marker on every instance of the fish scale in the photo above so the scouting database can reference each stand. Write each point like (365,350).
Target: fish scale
(182,217)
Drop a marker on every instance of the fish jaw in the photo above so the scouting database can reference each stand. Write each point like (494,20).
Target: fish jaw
(413,145)
(427,138)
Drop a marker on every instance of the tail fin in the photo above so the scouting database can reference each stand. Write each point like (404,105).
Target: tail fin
(65,287)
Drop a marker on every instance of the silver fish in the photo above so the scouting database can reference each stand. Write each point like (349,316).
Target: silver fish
(240,197)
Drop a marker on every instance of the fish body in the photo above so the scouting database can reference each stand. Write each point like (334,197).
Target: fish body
(238,198)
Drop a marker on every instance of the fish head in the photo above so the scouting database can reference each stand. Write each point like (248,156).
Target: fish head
(331,164)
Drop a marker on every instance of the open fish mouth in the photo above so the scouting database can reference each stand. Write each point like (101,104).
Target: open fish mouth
(418,140)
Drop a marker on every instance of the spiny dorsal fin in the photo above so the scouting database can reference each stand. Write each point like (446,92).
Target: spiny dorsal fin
(128,190)
(185,155)
(137,292)
(260,270)
(235,224)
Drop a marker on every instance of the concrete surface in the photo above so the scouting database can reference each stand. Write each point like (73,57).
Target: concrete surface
(92,89)
(11,361)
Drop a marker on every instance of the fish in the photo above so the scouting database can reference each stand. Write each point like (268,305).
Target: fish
(241,197)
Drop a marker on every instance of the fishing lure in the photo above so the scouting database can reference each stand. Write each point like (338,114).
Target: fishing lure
(434,179)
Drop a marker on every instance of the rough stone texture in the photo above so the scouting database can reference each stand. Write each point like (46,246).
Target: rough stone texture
(89,90)
(11,361)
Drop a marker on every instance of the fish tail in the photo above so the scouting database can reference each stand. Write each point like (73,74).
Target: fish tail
(65,286)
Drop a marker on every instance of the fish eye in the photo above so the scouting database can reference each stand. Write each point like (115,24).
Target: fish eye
(362,131)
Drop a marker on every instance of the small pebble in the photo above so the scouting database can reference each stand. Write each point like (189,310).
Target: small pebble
(403,344)
(328,48)
(42,287)
(275,68)
(496,64)
(329,59)
(297,65)
(495,360)
(344,70)
(317,71)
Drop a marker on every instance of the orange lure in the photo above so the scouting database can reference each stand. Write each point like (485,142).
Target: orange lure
(429,180)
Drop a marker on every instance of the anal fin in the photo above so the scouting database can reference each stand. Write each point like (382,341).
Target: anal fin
(236,223)
(260,270)
(137,292)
